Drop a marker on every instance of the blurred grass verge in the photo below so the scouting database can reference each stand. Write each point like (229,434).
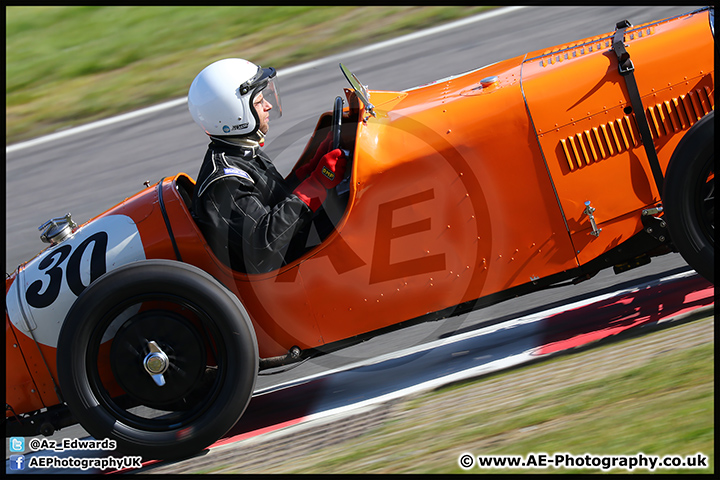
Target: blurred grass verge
(67,66)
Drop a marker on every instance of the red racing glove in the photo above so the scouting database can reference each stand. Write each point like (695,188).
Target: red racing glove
(303,171)
(328,174)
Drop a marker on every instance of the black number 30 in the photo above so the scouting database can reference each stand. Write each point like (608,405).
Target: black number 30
(51,265)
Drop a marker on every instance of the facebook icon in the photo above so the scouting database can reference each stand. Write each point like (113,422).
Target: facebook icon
(17,462)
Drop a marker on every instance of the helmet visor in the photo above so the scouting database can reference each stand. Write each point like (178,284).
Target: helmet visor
(266,82)
(272,95)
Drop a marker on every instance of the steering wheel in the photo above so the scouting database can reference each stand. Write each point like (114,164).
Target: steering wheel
(336,123)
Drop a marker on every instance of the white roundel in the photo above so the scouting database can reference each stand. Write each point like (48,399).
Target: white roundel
(48,285)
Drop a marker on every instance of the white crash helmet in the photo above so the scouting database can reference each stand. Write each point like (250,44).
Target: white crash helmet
(220,98)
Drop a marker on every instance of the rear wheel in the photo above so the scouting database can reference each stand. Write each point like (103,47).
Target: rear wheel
(689,197)
(181,366)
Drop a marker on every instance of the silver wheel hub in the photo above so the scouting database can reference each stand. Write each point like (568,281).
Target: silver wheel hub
(156,363)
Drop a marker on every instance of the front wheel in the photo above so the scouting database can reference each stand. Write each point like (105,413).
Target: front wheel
(160,357)
(689,197)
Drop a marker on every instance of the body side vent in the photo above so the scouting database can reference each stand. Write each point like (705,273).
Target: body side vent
(611,138)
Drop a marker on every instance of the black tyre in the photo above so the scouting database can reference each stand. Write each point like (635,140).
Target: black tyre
(180,369)
(689,197)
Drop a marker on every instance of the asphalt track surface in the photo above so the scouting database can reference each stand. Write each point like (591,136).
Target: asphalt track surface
(90,171)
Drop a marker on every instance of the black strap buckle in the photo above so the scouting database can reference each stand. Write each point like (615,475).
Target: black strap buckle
(625,65)
(623,24)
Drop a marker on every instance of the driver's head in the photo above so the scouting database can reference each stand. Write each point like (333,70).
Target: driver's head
(234,98)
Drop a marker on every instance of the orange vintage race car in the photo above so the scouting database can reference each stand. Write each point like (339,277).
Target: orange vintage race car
(528,173)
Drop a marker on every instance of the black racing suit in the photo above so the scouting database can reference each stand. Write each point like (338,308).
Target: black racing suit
(247,211)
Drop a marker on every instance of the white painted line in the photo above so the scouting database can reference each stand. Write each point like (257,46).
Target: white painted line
(495,366)
(405,38)
(90,126)
(285,73)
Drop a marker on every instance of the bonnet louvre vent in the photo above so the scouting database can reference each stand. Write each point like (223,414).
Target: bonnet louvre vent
(611,138)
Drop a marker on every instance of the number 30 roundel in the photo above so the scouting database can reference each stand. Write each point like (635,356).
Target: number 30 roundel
(49,284)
